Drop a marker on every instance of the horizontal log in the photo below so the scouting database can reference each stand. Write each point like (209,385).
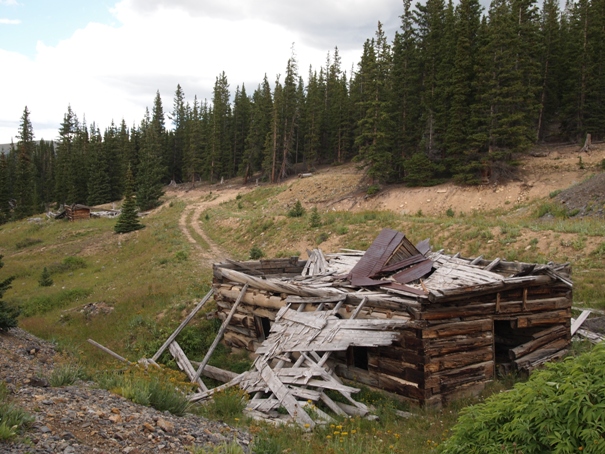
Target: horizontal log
(473,291)
(529,361)
(381,381)
(458,360)
(488,309)
(449,377)
(234,339)
(541,339)
(544,318)
(456,329)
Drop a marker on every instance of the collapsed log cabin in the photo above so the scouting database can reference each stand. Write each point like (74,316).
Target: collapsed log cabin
(452,323)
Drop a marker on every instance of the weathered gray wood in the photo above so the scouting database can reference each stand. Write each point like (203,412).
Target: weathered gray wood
(493,264)
(285,397)
(215,373)
(108,351)
(184,364)
(219,336)
(575,326)
(182,325)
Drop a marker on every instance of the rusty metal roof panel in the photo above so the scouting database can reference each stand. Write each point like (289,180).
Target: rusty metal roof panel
(389,247)
(414,272)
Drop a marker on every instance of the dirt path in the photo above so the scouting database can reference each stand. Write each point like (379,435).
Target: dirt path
(207,251)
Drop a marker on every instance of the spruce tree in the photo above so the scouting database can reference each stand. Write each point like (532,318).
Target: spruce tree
(8,314)
(24,183)
(128,220)
(45,279)
(149,175)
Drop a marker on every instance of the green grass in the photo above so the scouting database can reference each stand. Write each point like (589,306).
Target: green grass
(152,280)
(12,418)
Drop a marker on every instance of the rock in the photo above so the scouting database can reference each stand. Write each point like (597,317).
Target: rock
(148,427)
(165,425)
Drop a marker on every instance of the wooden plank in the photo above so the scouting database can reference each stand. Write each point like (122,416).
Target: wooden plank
(285,397)
(540,340)
(108,351)
(316,300)
(456,329)
(575,326)
(539,356)
(544,318)
(219,336)
(184,364)
(182,325)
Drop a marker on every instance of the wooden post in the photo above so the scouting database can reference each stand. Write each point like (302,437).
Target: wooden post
(184,364)
(108,351)
(219,336)
(182,325)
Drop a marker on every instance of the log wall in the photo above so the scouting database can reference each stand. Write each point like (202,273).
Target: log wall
(449,349)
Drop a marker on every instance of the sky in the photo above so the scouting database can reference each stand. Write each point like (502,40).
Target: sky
(107,58)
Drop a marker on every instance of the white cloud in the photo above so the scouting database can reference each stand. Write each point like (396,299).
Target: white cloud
(9,2)
(9,21)
(113,72)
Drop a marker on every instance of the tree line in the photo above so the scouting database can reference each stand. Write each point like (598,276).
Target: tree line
(458,93)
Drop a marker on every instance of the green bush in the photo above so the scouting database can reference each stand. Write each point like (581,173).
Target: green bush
(68,264)
(226,405)
(315,218)
(373,189)
(46,303)
(323,236)
(8,314)
(28,242)
(163,389)
(256,253)
(45,279)
(297,211)
(66,374)
(450,213)
(12,418)
(559,410)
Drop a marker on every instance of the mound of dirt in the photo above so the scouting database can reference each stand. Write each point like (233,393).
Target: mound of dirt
(586,198)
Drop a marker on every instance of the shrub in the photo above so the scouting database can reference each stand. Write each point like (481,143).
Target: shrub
(68,264)
(323,236)
(66,374)
(373,189)
(43,304)
(256,253)
(162,388)
(297,211)
(8,315)
(226,405)
(28,242)
(315,219)
(12,418)
(450,213)
(45,279)
(555,193)
(559,409)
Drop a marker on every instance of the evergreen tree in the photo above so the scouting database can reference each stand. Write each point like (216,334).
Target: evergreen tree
(8,314)
(24,182)
(219,162)
(260,128)
(5,209)
(176,148)
(99,184)
(45,279)
(149,176)
(128,220)
(375,132)
(239,128)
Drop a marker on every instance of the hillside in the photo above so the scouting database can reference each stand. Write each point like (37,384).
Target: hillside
(130,291)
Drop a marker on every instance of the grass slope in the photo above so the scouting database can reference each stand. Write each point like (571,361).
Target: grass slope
(152,278)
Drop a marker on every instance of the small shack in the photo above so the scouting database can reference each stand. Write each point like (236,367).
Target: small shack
(74,212)
(428,326)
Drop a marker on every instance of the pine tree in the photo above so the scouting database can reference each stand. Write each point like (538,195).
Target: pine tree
(219,153)
(176,148)
(24,182)
(8,314)
(239,128)
(128,220)
(149,186)
(45,279)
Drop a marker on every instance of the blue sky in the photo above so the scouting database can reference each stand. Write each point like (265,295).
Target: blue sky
(47,21)
(106,59)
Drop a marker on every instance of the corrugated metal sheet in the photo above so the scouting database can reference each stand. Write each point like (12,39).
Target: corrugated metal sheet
(377,254)
(389,248)
(414,272)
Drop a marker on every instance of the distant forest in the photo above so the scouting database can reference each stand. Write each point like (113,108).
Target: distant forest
(458,94)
